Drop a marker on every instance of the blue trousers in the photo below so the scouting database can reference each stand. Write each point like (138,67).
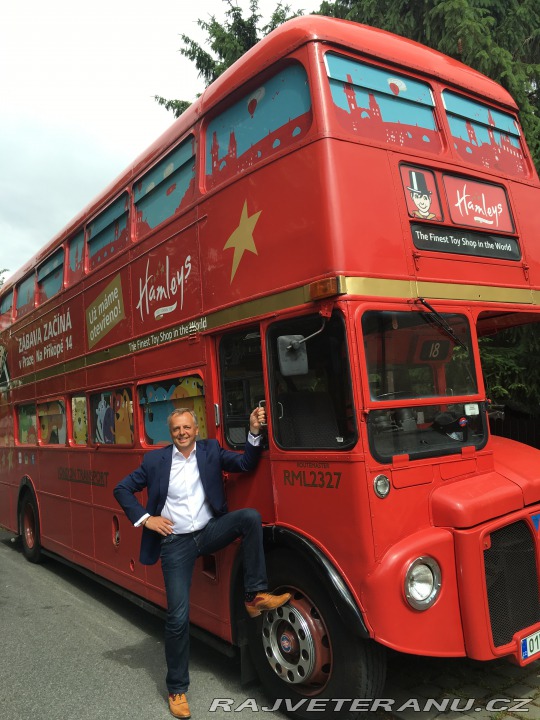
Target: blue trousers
(178,555)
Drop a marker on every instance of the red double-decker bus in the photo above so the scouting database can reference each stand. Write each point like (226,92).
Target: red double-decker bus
(330,229)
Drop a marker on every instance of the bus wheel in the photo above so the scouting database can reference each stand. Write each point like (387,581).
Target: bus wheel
(29,528)
(304,653)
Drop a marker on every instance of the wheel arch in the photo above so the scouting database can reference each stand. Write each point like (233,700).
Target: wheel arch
(276,537)
(26,486)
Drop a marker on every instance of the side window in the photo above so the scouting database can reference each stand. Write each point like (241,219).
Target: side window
(50,276)
(25,296)
(79,420)
(166,188)
(484,136)
(311,394)
(111,413)
(381,105)
(271,117)
(109,232)
(6,308)
(52,422)
(75,261)
(27,426)
(158,399)
(240,360)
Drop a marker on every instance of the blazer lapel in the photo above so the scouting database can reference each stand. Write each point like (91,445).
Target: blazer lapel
(164,474)
(200,452)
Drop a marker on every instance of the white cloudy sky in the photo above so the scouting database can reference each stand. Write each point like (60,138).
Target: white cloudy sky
(76,106)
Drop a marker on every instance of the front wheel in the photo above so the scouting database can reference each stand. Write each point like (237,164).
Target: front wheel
(29,528)
(304,653)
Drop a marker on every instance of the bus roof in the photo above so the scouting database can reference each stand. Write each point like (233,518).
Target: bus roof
(368,41)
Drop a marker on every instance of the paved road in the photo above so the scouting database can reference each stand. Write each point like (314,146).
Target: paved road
(71,649)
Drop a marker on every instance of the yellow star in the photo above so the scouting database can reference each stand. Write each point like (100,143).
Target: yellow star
(242,238)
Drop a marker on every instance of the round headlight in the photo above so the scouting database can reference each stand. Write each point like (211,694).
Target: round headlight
(381,485)
(422,583)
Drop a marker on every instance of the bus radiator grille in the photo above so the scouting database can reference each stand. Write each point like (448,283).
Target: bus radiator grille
(511,581)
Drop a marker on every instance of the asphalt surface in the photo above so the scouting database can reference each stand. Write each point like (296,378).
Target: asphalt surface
(71,649)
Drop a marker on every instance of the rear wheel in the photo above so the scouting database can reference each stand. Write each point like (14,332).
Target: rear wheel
(303,651)
(29,528)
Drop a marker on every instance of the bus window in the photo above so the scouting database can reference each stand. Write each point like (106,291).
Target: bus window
(484,136)
(25,295)
(79,420)
(75,263)
(52,422)
(381,105)
(111,413)
(166,188)
(266,120)
(158,399)
(26,421)
(109,232)
(4,373)
(311,403)
(6,308)
(50,276)
(240,360)
(412,356)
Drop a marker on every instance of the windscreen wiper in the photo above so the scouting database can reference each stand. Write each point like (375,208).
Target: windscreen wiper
(437,319)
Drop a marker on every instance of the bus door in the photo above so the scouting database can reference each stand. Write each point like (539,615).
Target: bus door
(242,389)
(313,427)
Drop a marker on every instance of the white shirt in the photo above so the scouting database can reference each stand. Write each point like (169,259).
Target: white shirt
(186,505)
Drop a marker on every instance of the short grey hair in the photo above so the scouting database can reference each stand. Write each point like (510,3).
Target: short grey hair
(182,411)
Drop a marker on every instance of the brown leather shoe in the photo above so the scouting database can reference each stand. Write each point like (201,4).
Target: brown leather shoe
(178,705)
(265,601)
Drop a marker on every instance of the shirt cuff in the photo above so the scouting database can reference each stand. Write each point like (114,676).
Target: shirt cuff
(254,439)
(141,520)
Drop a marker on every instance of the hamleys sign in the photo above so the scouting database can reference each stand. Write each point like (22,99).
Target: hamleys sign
(478,204)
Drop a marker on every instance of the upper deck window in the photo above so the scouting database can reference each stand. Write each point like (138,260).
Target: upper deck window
(265,121)
(484,136)
(109,232)
(166,188)
(25,295)
(50,276)
(382,105)
(75,261)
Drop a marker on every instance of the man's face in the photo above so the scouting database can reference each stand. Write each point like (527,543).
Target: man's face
(183,432)
(422,201)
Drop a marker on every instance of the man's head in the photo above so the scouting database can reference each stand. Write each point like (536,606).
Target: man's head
(184,428)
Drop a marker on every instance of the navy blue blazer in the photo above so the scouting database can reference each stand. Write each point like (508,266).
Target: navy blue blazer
(154,473)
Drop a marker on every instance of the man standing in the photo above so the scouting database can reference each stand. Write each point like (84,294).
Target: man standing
(186,517)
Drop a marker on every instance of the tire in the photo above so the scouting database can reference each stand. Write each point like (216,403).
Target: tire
(29,528)
(303,652)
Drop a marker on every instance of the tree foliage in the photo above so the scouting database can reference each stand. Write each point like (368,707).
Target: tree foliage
(510,366)
(500,38)
(227,43)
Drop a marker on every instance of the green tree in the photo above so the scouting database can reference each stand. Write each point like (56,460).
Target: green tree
(510,366)
(227,41)
(2,278)
(500,38)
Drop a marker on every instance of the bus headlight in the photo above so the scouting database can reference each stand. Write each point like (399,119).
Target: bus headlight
(422,583)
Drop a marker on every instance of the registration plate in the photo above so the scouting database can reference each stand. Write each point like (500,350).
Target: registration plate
(530,645)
